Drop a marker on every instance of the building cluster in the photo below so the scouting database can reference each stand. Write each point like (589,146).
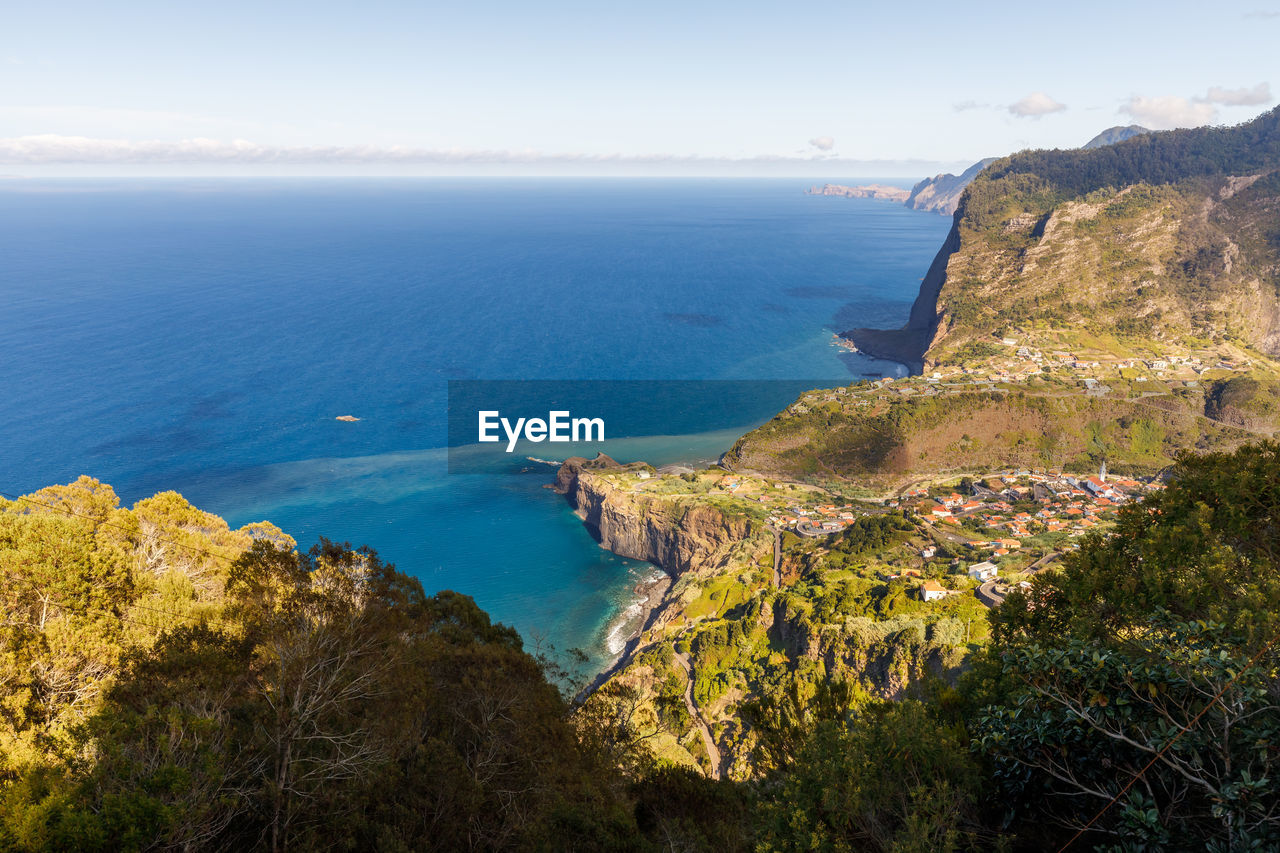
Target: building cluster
(1023,504)
(817,520)
(1013,506)
(1024,361)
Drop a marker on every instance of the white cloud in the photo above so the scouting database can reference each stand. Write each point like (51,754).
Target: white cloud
(1259,94)
(965,106)
(1035,105)
(823,143)
(1166,112)
(52,149)
(1262,13)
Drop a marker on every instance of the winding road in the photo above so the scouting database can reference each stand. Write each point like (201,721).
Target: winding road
(987,594)
(1043,561)
(777,558)
(713,751)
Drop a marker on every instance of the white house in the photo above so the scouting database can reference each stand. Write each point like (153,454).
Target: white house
(983,571)
(932,590)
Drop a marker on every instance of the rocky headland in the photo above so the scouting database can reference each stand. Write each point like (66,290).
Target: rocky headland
(676,536)
(1110,307)
(881,192)
(1159,239)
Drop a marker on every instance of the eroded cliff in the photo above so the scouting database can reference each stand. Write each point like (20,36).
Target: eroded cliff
(1164,238)
(677,535)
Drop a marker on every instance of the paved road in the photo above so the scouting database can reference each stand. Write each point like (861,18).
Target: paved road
(708,741)
(1043,561)
(987,594)
(777,558)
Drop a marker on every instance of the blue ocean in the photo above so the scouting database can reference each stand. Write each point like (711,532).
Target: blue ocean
(203,335)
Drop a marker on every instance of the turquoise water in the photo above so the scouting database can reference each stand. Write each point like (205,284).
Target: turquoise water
(203,335)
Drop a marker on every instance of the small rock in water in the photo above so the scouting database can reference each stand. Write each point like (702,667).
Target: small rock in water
(347,418)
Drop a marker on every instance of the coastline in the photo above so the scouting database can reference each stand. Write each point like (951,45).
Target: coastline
(910,344)
(648,592)
(904,346)
(653,592)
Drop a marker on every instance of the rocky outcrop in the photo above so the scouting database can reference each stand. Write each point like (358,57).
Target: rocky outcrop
(1245,402)
(909,344)
(881,192)
(1167,237)
(566,482)
(1119,133)
(941,193)
(676,536)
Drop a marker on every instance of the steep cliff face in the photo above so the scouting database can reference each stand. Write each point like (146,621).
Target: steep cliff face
(678,536)
(909,344)
(1162,263)
(1163,237)
(941,193)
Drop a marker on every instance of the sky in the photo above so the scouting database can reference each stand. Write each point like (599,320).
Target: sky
(385,87)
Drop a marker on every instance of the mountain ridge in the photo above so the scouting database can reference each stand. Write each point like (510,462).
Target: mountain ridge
(941,193)
(1113,135)
(1189,211)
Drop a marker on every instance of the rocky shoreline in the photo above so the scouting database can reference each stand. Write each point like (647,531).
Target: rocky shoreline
(905,346)
(654,593)
(675,539)
(909,344)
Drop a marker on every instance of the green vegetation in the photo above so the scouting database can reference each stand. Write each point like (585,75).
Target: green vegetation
(168,682)
(898,438)
(753,649)
(1151,658)
(1102,664)
(973,351)
(897,779)
(1245,400)
(1156,158)
(1164,239)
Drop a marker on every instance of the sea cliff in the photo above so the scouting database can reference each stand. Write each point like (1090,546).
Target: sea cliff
(748,610)
(1162,240)
(941,193)
(909,344)
(674,535)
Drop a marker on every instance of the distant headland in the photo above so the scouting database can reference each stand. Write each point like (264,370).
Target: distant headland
(881,192)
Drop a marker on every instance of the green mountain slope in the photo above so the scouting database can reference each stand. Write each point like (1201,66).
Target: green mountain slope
(1165,238)
(1112,135)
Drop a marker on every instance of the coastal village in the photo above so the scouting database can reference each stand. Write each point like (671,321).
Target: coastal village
(977,535)
(877,559)
(1007,524)
(1096,365)
(980,533)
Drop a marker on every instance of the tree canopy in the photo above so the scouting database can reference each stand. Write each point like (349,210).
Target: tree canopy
(169,683)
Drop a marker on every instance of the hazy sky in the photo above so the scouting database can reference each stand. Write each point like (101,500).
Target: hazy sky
(655,87)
